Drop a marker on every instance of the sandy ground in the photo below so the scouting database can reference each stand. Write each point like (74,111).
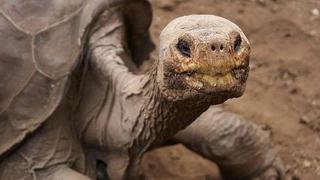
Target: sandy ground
(283,91)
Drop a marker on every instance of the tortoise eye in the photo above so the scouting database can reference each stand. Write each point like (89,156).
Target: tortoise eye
(184,48)
(237,43)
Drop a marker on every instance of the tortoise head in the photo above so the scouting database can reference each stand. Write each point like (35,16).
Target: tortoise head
(203,55)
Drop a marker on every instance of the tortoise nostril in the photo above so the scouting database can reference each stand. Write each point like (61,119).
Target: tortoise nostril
(213,48)
(221,47)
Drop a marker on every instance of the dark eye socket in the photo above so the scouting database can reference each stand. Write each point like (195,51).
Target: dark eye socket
(237,43)
(184,48)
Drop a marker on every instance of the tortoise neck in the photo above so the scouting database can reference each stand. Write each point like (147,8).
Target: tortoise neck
(160,118)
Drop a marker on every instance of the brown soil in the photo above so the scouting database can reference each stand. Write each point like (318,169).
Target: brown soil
(283,91)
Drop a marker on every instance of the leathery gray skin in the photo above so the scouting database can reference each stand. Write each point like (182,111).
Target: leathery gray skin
(141,112)
(172,95)
(241,148)
(119,115)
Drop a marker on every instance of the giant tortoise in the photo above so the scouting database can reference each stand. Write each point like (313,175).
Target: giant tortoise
(70,97)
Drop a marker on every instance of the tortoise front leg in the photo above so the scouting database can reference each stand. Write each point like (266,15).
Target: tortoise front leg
(69,174)
(241,149)
(61,172)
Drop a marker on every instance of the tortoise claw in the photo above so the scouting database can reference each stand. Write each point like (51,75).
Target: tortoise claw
(270,174)
(274,172)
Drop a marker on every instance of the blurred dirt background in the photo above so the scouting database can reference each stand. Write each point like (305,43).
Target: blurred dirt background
(283,91)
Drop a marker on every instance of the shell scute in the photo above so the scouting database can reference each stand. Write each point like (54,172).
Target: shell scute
(16,65)
(35,15)
(29,109)
(56,49)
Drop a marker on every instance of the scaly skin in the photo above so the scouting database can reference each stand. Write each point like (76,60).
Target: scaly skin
(241,149)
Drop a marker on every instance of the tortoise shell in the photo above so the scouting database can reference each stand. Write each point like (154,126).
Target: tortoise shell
(41,44)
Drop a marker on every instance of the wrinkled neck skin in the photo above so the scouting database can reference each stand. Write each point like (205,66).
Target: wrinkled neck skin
(123,114)
(132,113)
(132,117)
(161,118)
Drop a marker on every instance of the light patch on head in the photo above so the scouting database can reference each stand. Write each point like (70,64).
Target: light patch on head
(183,24)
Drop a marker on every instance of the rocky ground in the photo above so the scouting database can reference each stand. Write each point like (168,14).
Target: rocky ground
(283,92)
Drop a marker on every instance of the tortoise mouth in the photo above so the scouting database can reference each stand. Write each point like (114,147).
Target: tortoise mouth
(218,81)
